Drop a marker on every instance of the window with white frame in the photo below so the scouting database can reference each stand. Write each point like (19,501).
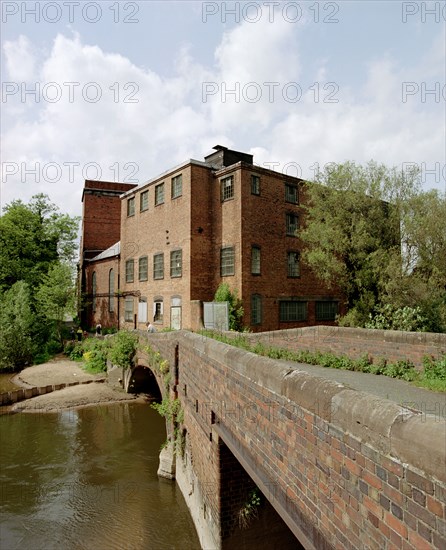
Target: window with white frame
(292,225)
(227,188)
(255,185)
(158,312)
(256,309)
(111,290)
(176,263)
(144,201)
(158,266)
(129,271)
(159,194)
(291,193)
(255,260)
(128,309)
(293,267)
(94,289)
(131,206)
(227,261)
(177,186)
(143,268)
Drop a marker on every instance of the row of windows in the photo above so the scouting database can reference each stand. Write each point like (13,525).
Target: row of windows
(294,310)
(176,190)
(176,265)
(142,310)
(293,262)
(227,189)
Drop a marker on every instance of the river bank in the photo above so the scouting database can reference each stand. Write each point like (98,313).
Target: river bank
(91,389)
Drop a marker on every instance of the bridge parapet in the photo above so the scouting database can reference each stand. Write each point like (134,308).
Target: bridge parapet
(343,468)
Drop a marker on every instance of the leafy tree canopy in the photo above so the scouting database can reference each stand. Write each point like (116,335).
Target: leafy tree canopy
(32,237)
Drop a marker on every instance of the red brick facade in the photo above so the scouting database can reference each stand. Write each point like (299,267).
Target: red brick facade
(204,223)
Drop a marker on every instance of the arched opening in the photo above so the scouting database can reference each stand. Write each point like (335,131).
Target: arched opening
(249,521)
(142,380)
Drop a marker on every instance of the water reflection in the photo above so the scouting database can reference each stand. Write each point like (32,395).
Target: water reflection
(86,479)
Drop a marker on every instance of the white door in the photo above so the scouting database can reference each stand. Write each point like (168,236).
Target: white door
(175,317)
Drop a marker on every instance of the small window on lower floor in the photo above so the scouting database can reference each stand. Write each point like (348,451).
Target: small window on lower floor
(128,309)
(158,311)
(256,309)
(326,310)
(293,310)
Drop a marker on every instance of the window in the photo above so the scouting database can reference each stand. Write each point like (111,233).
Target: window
(175,263)
(128,309)
(177,186)
(144,201)
(227,261)
(143,265)
(293,264)
(255,260)
(256,309)
(158,266)
(293,310)
(255,185)
(292,224)
(111,291)
(93,289)
(326,311)
(291,194)
(158,310)
(131,206)
(159,194)
(129,271)
(227,188)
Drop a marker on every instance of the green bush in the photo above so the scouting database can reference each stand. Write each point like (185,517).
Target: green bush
(435,368)
(123,349)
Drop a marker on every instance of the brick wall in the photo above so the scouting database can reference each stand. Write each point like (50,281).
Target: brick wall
(101,313)
(356,342)
(345,469)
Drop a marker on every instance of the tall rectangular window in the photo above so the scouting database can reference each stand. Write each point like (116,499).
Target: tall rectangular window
(292,224)
(326,310)
(111,291)
(144,201)
(131,206)
(255,185)
(256,309)
(159,194)
(158,310)
(143,268)
(176,263)
(293,264)
(255,260)
(227,188)
(177,186)
(93,290)
(227,261)
(129,271)
(291,193)
(293,310)
(158,266)
(128,309)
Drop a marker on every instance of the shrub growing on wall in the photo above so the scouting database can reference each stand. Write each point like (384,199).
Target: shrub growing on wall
(123,349)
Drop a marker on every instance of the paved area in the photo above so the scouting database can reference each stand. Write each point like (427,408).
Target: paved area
(398,391)
(57,371)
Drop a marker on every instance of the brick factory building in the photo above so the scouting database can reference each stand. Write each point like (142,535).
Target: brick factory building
(158,251)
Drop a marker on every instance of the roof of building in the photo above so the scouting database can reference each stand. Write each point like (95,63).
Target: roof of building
(113,250)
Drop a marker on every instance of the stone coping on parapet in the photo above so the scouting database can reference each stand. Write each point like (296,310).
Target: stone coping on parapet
(407,435)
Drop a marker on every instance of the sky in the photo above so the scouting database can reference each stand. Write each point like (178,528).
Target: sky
(123,91)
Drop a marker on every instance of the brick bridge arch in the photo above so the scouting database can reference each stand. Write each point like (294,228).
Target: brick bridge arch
(342,468)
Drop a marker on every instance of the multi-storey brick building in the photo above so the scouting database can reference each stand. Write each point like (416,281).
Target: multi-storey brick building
(201,224)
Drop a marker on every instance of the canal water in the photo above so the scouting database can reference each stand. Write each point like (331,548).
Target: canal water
(86,480)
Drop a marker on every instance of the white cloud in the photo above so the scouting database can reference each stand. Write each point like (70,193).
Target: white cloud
(170,122)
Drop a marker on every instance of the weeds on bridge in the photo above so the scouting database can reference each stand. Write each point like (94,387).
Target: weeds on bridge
(433,376)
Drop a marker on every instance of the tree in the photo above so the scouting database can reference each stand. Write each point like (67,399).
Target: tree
(224,294)
(32,237)
(352,237)
(16,327)
(56,297)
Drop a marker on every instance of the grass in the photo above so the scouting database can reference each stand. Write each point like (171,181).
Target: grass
(432,377)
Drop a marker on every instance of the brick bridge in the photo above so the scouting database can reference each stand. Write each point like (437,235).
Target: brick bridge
(336,467)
